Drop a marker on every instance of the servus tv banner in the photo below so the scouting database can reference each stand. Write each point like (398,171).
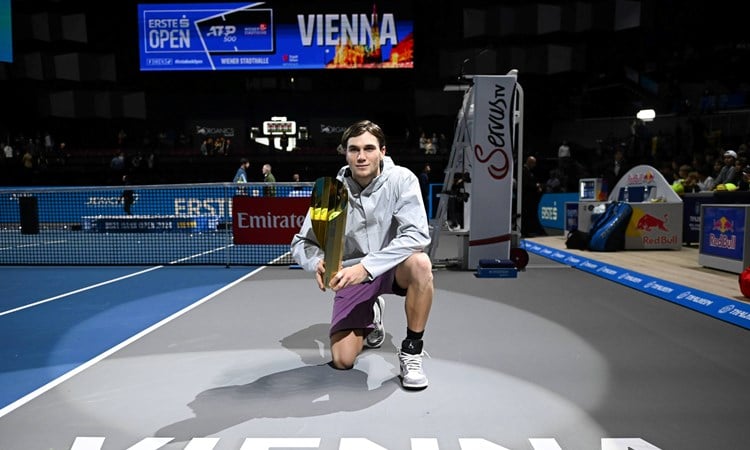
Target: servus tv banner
(269,36)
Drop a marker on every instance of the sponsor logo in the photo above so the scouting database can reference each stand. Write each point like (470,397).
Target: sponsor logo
(332,129)
(740,313)
(723,225)
(660,240)
(646,177)
(690,297)
(496,160)
(549,212)
(159,61)
(262,220)
(589,265)
(726,309)
(722,241)
(202,207)
(630,278)
(658,287)
(647,222)
(213,131)
(107,201)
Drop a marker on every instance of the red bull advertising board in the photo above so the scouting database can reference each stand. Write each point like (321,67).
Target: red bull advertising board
(723,238)
(654,226)
(657,218)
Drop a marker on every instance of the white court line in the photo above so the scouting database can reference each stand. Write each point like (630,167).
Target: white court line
(59,380)
(114,280)
(207,252)
(83,289)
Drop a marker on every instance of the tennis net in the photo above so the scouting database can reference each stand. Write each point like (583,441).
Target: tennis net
(209,223)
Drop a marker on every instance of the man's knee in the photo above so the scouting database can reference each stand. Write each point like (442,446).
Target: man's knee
(419,263)
(342,362)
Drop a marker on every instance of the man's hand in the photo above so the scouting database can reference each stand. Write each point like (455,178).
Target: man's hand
(320,271)
(348,276)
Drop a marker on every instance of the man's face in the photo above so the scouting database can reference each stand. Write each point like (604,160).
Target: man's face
(364,155)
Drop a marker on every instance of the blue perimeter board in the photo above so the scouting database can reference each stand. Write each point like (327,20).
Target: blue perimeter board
(722,308)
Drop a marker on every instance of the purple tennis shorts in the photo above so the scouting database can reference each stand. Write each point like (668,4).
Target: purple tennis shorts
(352,306)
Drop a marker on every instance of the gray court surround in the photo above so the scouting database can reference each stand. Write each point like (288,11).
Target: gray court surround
(554,359)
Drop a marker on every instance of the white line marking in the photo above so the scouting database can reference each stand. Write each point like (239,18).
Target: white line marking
(207,252)
(59,380)
(83,289)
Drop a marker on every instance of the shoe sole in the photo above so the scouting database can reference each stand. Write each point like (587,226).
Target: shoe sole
(413,387)
(381,330)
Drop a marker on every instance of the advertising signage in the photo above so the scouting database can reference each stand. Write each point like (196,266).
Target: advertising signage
(263,36)
(6,34)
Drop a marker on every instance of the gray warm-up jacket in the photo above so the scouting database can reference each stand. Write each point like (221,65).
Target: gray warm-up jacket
(385,223)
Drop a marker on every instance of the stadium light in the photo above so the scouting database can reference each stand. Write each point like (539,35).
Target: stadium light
(646,115)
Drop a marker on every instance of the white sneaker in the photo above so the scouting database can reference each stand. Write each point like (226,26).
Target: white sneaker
(412,375)
(377,336)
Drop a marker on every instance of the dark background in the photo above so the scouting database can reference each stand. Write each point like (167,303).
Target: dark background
(75,75)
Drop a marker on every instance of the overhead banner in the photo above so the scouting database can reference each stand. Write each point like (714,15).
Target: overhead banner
(275,35)
(492,168)
(267,220)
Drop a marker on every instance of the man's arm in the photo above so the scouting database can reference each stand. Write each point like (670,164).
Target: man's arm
(412,232)
(305,247)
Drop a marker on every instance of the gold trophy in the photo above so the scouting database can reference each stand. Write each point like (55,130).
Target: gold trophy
(328,213)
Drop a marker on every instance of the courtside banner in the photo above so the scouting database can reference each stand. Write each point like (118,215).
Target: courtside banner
(492,172)
(267,220)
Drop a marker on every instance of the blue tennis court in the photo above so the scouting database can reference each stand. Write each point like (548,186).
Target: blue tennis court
(215,358)
(54,319)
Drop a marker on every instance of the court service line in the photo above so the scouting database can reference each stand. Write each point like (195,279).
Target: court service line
(59,380)
(83,289)
(197,255)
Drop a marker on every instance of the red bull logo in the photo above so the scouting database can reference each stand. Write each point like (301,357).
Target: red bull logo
(723,225)
(647,222)
(646,177)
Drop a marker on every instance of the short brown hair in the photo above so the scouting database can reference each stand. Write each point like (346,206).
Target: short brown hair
(360,128)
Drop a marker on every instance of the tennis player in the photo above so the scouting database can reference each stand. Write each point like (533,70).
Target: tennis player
(385,238)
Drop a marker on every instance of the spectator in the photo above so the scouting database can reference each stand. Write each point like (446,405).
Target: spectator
(457,196)
(554,182)
(27,161)
(241,175)
(8,151)
(128,196)
(531,194)
(268,178)
(729,172)
(705,180)
(563,151)
(424,185)
(613,170)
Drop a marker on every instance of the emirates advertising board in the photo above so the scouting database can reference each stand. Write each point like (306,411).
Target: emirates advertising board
(267,220)
(275,36)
